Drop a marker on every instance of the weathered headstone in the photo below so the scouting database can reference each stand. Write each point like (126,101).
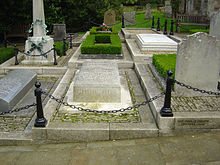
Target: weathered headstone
(97,81)
(59,31)
(168,9)
(109,18)
(40,43)
(148,13)
(14,87)
(129,18)
(215,25)
(197,64)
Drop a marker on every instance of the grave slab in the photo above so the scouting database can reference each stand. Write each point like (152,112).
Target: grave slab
(155,42)
(97,82)
(14,87)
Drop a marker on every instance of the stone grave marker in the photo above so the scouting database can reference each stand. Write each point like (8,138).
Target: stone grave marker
(148,13)
(215,25)
(14,87)
(97,81)
(168,9)
(109,18)
(39,39)
(59,31)
(197,64)
(129,18)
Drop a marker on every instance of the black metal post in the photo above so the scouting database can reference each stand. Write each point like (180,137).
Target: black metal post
(158,24)
(64,46)
(152,23)
(54,55)
(16,54)
(71,39)
(165,27)
(40,120)
(166,111)
(171,28)
(176,26)
(123,22)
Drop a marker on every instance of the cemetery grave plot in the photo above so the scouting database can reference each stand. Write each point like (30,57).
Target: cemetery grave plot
(101,46)
(130,80)
(19,121)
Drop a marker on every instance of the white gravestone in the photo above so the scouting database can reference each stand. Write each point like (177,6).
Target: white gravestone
(197,64)
(97,81)
(39,36)
(155,42)
(14,87)
(215,25)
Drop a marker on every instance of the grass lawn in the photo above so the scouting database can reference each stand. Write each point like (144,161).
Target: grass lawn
(5,54)
(164,62)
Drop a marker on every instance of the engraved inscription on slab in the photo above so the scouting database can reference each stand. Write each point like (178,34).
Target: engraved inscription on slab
(14,86)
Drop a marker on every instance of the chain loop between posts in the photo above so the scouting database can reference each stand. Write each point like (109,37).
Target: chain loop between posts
(103,111)
(18,109)
(197,89)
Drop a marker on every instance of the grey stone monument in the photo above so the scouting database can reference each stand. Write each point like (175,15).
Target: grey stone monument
(109,18)
(59,31)
(168,9)
(197,64)
(148,13)
(39,39)
(129,18)
(215,25)
(97,81)
(14,87)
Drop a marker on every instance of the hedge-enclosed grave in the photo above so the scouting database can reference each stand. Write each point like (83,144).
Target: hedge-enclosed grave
(98,30)
(102,44)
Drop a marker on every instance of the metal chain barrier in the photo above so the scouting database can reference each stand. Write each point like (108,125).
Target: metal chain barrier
(23,52)
(18,109)
(103,111)
(197,89)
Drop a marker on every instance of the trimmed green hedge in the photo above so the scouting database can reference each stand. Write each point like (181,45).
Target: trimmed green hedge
(59,47)
(95,30)
(5,54)
(89,47)
(164,62)
(192,31)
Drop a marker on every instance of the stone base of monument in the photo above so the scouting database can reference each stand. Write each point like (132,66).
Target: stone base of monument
(97,86)
(101,56)
(155,42)
(48,45)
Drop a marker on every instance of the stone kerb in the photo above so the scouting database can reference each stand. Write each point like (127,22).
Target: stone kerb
(215,24)
(197,64)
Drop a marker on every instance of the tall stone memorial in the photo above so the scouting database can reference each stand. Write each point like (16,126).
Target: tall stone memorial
(39,43)
(215,24)
(197,64)
(168,9)
(129,18)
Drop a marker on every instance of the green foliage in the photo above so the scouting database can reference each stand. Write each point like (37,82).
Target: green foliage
(102,38)
(164,62)
(95,30)
(89,47)
(5,54)
(59,47)
(198,30)
(129,2)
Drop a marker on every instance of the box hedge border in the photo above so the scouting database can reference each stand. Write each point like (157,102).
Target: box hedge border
(94,29)
(89,47)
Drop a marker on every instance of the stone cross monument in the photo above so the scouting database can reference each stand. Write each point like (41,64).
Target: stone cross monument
(37,45)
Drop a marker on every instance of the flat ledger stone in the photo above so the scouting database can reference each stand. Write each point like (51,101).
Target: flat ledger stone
(155,42)
(97,81)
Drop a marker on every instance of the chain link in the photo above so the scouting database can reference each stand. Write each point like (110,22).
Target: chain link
(18,109)
(196,89)
(23,52)
(103,111)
